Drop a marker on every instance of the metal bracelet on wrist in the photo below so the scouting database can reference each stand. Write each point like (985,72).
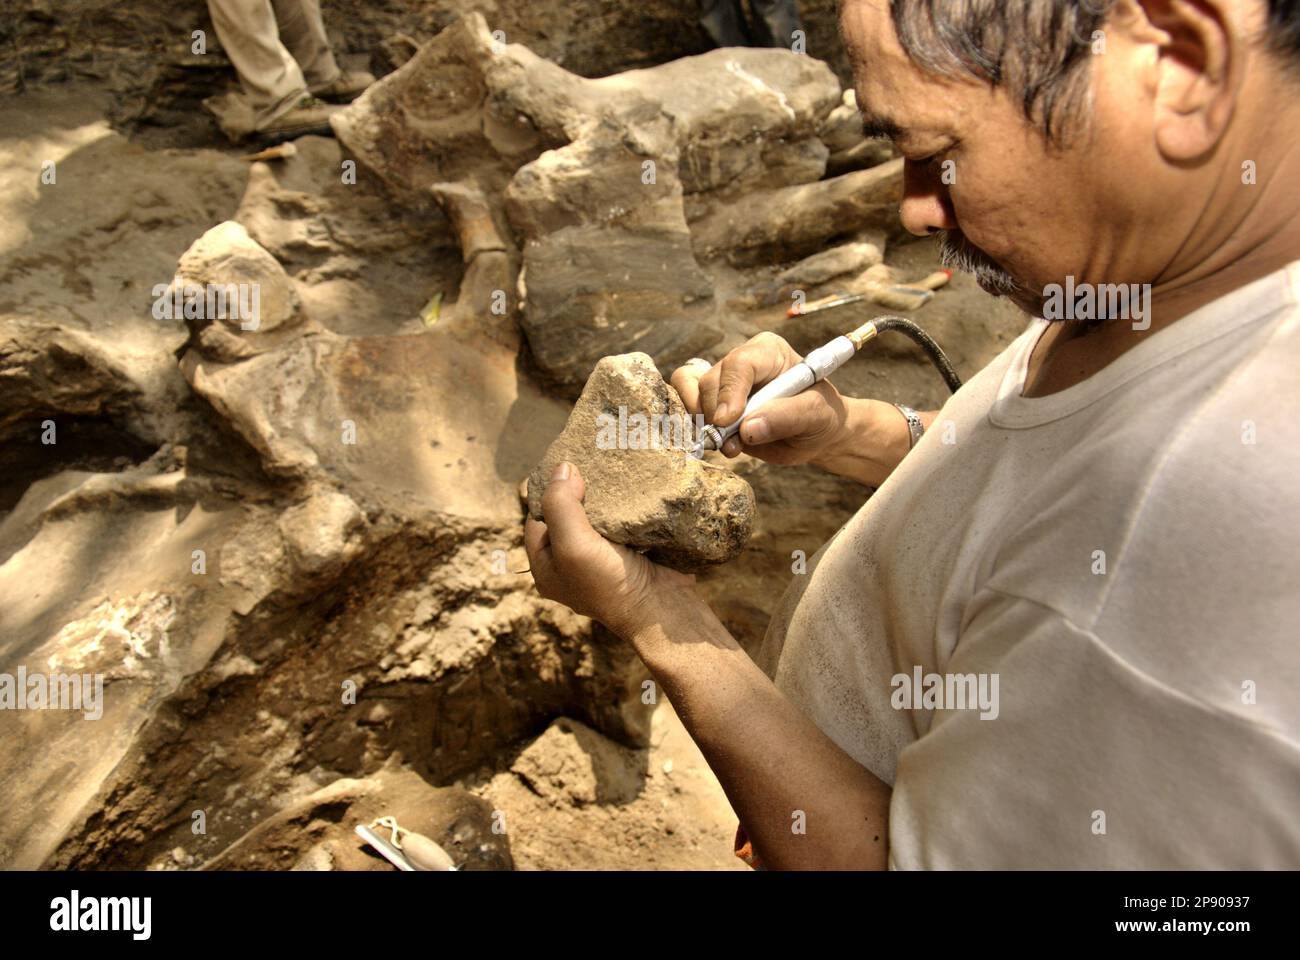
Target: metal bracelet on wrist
(914,425)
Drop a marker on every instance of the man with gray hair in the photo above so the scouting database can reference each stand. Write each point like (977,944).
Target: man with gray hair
(1103,520)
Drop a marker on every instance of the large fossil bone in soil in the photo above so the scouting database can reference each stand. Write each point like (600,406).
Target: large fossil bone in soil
(598,185)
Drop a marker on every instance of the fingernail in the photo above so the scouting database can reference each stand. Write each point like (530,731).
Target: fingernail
(561,471)
(756,430)
(720,413)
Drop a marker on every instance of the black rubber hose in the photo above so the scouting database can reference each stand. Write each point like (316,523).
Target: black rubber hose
(926,343)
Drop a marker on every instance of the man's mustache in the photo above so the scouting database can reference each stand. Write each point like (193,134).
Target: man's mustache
(958,253)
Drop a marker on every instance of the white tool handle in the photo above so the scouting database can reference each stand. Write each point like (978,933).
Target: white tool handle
(817,366)
(389,852)
(828,358)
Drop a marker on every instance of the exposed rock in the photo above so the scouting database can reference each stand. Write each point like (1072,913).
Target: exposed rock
(471,217)
(70,400)
(570,762)
(464,108)
(317,859)
(795,221)
(233,695)
(360,266)
(268,399)
(599,180)
(391,52)
(233,589)
(487,301)
(629,436)
(741,115)
(842,128)
(319,533)
(249,564)
(407,420)
(158,81)
(52,370)
(226,269)
(607,260)
(835,262)
(868,153)
(846,260)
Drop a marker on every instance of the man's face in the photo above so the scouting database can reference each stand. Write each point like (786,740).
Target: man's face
(1015,211)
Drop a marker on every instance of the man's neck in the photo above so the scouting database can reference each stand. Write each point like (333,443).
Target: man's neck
(1254,234)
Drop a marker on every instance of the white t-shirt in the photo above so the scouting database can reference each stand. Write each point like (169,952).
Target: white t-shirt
(1124,558)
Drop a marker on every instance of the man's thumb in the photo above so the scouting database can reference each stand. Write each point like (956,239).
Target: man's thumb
(793,419)
(566,520)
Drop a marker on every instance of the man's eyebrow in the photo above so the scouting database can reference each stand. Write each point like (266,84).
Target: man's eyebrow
(880,128)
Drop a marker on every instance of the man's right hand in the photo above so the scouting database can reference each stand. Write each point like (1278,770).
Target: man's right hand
(856,438)
(798,429)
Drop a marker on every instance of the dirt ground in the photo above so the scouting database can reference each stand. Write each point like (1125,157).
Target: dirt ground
(84,254)
(667,812)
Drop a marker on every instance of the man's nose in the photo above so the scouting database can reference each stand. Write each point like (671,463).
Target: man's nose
(926,208)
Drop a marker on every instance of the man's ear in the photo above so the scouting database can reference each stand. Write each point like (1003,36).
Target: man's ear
(1197,74)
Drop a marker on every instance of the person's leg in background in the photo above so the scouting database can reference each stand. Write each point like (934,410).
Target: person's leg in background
(725,22)
(272,81)
(282,55)
(303,32)
(775,22)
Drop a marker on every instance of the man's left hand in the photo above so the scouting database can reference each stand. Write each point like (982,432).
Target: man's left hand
(574,565)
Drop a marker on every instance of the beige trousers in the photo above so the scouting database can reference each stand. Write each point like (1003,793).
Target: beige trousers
(278,48)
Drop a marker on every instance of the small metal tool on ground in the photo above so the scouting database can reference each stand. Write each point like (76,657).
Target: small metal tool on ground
(405,849)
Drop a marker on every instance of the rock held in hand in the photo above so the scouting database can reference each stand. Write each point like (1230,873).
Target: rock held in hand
(630,437)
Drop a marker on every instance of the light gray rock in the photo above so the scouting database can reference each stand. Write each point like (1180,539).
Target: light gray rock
(843,264)
(319,532)
(866,154)
(743,118)
(608,265)
(629,435)
(795,221)
(571,763)
(230,268)
(596,179)
(316,859)
(842,128)
(835,262)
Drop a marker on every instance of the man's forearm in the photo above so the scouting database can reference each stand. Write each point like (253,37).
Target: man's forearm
(872,442)
(805,803)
